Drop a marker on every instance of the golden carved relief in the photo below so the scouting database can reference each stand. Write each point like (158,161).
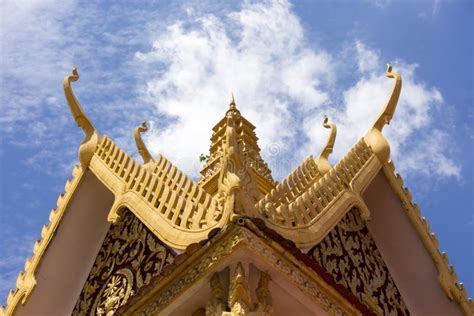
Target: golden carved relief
(316,288)
(130,256)
(114,293)
(351,256)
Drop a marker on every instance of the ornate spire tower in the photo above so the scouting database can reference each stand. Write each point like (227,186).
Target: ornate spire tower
(246,149)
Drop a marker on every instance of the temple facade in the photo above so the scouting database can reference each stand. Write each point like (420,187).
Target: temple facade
(131,238)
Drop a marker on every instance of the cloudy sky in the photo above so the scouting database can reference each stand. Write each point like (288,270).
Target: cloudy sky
(288,64)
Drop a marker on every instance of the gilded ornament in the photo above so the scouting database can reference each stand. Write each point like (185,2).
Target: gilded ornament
(322,160)
(142,149)
(92,137)
(351,256)
(374,136)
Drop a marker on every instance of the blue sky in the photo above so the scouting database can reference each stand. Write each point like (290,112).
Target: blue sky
(288,64)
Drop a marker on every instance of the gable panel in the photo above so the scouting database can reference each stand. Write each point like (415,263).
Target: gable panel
(349,253)
(130,256)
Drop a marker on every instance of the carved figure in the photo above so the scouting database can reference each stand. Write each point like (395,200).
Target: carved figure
(263,294)
(240,300)
(217,302)
(238,191)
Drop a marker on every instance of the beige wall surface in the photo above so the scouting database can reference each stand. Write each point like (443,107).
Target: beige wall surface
(71,253)
(410,264)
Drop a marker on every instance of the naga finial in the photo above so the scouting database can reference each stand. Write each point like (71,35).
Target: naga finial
(91,139)
(322,160)
(389,109)
(374,137)
(142,149)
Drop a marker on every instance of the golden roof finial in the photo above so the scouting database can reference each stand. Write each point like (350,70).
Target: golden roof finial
(91,139)
(322,161)
(374,137)
(389,109)
(232,111)
(142,149)
(232,102)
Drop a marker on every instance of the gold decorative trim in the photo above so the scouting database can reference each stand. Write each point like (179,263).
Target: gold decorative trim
(205,259)
(170,204)
(308,219)
(26,282)
(350,255)
(295,184)
(447,276)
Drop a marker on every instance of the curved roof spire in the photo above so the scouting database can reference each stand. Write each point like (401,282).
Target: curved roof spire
(91,139)
(142,149)
(232,101)
(374,137)
(389,109)
(232,108)
(322,160)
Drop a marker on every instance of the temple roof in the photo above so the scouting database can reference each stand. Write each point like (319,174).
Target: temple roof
(235,185)
(245,229)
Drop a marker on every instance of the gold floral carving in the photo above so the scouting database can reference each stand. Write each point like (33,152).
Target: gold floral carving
(305,279)
(130,256)
(114,293)
(350,255)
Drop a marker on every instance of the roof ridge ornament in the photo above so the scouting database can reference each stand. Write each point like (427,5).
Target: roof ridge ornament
(232,101)
(232,111)
(237,188)
(322,161)
(374,137)
(92,137)
(142,149)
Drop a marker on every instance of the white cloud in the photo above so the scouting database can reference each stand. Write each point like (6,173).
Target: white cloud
(30,32)
(282,83)
(284,86)
(258,53)
(412,122)
(367,60)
